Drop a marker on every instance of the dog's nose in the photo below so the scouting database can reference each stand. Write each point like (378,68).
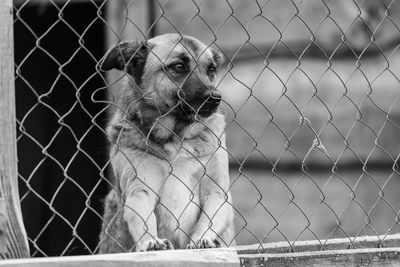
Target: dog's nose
(214,98)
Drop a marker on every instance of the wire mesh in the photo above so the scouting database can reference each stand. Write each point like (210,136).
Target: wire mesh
(309,93)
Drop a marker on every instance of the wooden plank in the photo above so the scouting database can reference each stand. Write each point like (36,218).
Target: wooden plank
(318,245)
(17,244)
(350,257)
(224,257)
(3,226)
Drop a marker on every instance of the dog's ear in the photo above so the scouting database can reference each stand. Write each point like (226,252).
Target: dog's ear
(219,59)
(127,56)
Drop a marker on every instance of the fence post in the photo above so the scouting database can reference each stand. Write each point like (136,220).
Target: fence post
(13,240)
(120,28)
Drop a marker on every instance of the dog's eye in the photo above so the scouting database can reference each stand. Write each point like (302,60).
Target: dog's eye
(178,67)
(212,71)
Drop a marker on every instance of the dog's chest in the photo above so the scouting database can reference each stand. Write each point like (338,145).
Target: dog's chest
(178,210)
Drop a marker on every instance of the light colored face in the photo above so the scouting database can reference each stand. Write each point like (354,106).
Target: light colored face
(180,69)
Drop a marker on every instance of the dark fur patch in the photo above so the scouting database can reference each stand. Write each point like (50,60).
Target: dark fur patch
(193,97)
(115,236)
(129,56)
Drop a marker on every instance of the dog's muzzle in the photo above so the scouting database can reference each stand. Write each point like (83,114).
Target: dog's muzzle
(210,103)
(213,99)
(203,105)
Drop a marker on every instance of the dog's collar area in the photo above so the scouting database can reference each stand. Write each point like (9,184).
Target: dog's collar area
(152,134)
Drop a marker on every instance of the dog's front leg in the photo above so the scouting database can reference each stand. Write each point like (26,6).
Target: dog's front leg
(140,183)
(215,223)
(142,224)
(215,219)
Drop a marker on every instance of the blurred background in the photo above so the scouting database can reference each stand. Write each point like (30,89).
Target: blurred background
(311,95)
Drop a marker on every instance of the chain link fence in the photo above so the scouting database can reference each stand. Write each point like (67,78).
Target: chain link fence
(310,93)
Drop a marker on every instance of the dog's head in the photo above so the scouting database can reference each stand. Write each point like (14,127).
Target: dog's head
(173,73)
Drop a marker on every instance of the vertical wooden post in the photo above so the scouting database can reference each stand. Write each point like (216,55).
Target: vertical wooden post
(125,22)
(13,240)
(152,11)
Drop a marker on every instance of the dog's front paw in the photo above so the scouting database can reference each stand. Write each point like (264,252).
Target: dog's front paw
(205,242)
(157,244)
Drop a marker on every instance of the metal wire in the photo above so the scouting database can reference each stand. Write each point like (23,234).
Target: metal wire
(310,98)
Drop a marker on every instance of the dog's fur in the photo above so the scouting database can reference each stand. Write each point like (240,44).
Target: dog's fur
(167,150)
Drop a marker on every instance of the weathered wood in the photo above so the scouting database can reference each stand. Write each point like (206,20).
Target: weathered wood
(3,225)
(16,241)
(350,257)
(222,257)
(225,257)
(319,245)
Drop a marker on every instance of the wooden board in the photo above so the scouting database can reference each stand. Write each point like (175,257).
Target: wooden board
(361,242)
(224,257)
(360,251)
(16,244)
(351,257)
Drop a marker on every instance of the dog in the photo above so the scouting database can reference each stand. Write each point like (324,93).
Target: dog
(167,149)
